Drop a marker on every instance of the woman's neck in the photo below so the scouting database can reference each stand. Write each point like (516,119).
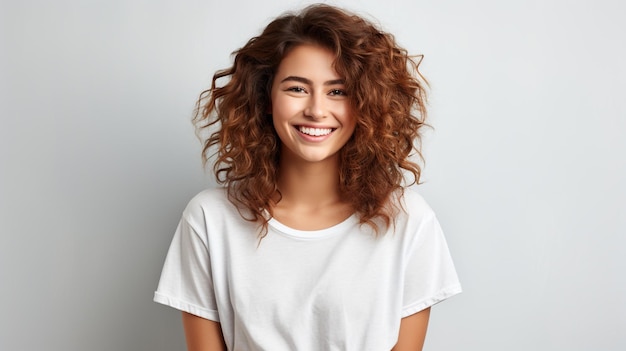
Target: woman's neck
(309,195)
(309,184)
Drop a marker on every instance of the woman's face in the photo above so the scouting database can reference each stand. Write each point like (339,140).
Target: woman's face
(310,107)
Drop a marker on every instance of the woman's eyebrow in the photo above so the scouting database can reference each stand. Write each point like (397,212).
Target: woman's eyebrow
(309,82)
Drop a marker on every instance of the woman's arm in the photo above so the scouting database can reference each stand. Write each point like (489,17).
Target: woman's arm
(413,332)
(202,334)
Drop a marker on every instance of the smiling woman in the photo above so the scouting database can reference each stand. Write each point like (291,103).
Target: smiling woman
(311,111)
(315,241)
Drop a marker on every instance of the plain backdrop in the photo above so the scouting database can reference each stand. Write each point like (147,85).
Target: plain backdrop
(525,165)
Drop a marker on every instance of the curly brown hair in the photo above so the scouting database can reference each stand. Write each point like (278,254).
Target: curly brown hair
(385,89)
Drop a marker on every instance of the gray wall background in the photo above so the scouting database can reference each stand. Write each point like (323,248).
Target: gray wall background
(525,166)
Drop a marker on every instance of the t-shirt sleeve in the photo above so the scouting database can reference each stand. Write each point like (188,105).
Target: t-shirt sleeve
(186,282)
(430,276)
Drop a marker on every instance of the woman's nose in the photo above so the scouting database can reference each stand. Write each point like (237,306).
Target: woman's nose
(316,108)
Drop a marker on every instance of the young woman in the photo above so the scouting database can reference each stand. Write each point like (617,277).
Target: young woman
(314,241)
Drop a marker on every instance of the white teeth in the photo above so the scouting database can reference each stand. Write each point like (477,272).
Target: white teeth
(315,131)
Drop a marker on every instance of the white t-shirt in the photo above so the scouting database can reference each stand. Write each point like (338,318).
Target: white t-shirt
(340,288)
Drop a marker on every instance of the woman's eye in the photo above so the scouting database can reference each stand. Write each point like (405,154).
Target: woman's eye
(337,92)
(297,89)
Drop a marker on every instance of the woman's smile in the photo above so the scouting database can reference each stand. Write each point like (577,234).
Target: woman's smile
(314,131)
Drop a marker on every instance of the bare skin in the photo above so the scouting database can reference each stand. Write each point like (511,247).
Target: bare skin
(310,199)
(413,332)
(202,334)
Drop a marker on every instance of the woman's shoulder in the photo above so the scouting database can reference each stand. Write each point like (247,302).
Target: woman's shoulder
(210,200)
(211,214)
(416,221)
(413,203)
